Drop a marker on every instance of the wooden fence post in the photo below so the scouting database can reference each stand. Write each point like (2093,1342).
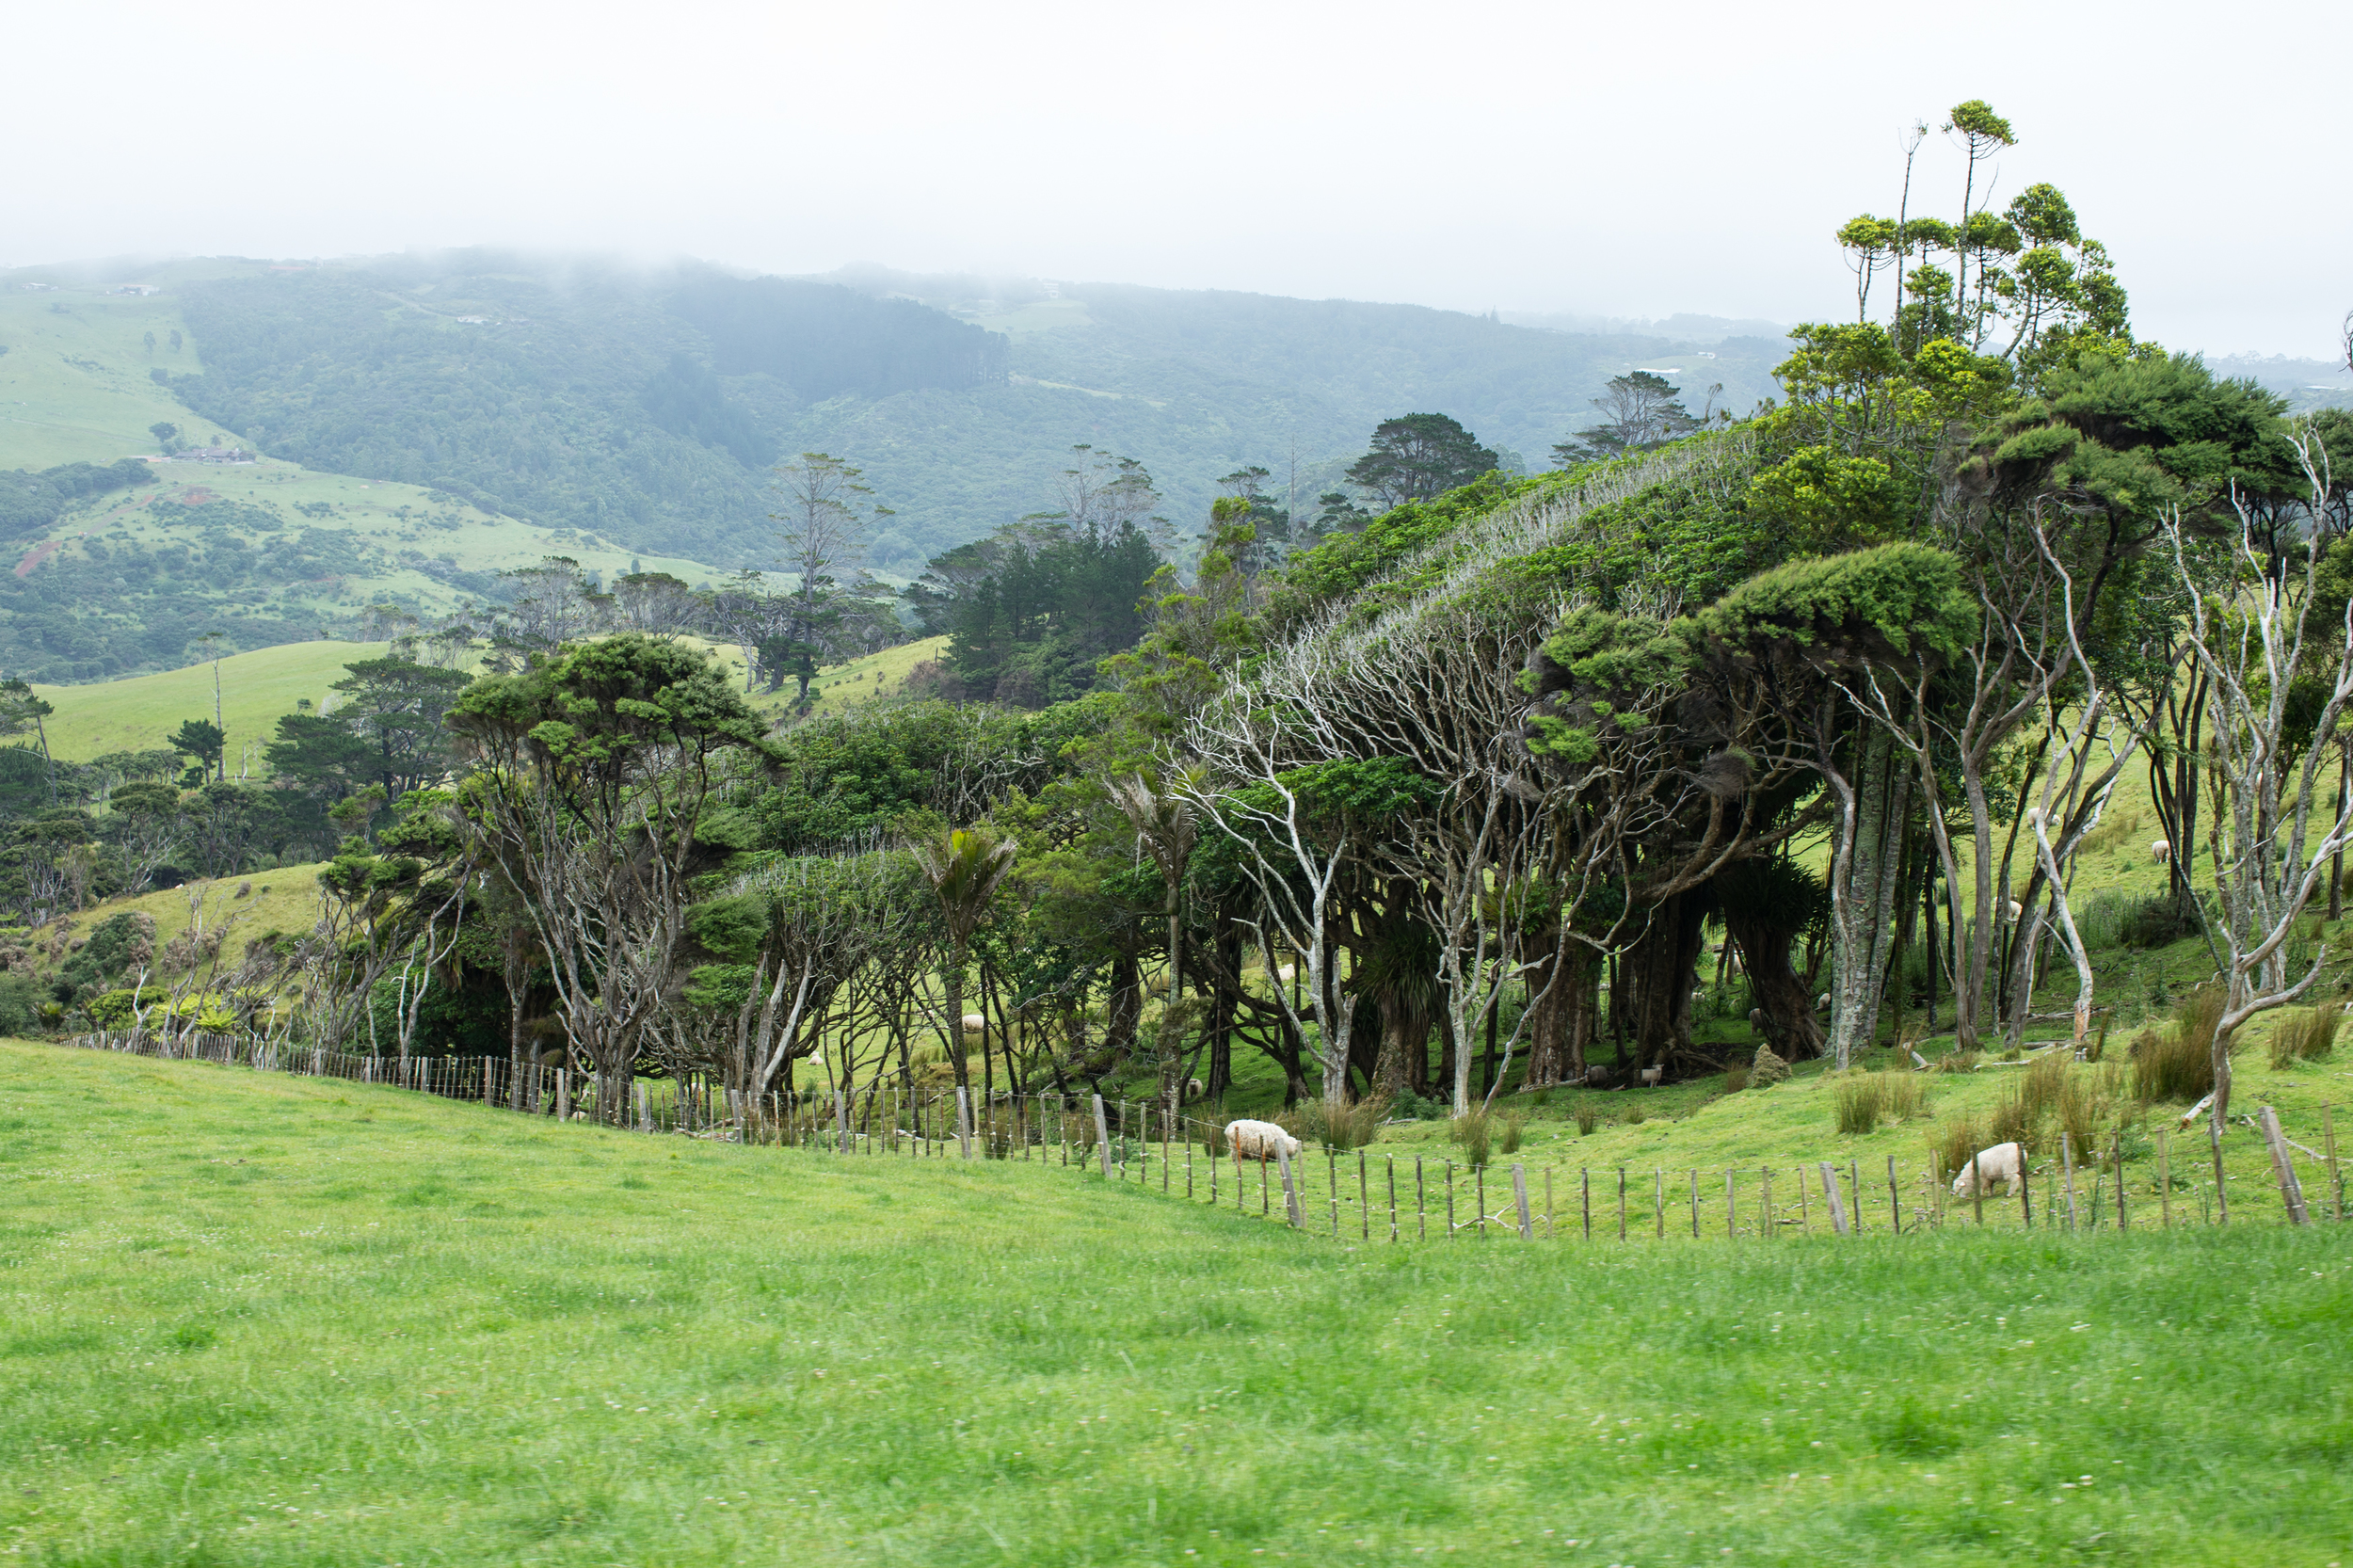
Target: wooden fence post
(2165,1183)
(1854,1177)
(563,1093)
(964,1121)
(1519,1191)
(2122,1223)
(1392,1163)
(2291,1190)
(1290,1190)
(1895,1199)
(2067,1163)
(1103,1139)
(1830,1196)
(841,1120)
(2328,1141)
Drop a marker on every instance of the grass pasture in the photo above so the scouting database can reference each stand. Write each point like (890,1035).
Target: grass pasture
(140,712)
(262,1319)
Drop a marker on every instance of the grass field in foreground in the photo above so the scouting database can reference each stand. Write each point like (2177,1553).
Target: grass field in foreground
(256,1320)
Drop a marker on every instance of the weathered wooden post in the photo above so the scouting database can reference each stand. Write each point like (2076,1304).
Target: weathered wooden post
(1102,1138)
(2165,1184)
(1520,1192)
(644,1107)
(2328,1141)
(1830,1196)
(964,1121)
(1290,1190)
(2067,1163)
(2282,1161)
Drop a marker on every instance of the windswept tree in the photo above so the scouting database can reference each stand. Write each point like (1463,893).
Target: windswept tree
(1641,412)
(1416,456)
(598,776)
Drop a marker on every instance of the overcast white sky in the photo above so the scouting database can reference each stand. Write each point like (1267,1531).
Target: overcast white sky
(1608,160)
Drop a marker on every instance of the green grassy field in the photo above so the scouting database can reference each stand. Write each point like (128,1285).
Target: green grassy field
(264,1321)
(74,384)
(141,712)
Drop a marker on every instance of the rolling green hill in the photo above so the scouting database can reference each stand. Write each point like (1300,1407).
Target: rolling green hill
(269,1320)
(643,405)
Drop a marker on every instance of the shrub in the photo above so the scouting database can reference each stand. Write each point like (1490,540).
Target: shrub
(1411,1107)
(21,999)
(1588,1117)
(1475,1131)
(1635,1115)
(1859,1101)
(2304,1034)
(1513,1125)
(1735,1078)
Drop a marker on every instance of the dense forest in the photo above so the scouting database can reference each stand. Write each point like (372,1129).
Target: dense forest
(1437,789)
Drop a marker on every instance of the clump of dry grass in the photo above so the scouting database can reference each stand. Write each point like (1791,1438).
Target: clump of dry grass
(1858,1102)
(1514,1125)
(1475,1131)
(1735,1078)
(1588,1118)
(1867,1099)
(2082,1107)
(2305,1034)
(2012,1121)
(2178,1064)
(1635,1115)
(1956,1142)
(1350,1127)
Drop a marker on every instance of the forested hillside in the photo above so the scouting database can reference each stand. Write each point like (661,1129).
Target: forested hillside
(646,406)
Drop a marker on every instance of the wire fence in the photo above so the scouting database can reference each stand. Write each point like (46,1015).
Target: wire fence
(1357,1194)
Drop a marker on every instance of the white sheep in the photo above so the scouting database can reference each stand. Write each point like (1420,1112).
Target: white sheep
(2017,910)
(2161,852)
(1259,1141)
(2002,1163)
(1651,1076)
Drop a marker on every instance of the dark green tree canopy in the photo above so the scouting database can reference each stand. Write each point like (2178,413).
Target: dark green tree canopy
(1416,457)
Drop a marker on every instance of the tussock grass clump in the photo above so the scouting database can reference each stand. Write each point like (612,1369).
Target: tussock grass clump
(1513,1125)
(1867,1099)
(2082,1107)
(1475,1131)
(1735,1078)
(2178,1065)
(2305,1034)
(1956,1142)
(1635,1115)
(2044,1083)
(1858,1102)
(2012,1121)
(1588,1117)
(1351,1127)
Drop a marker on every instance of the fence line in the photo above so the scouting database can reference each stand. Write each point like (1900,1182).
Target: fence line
(1145,1143)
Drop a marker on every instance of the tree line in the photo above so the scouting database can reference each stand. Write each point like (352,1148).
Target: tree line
(1444,796)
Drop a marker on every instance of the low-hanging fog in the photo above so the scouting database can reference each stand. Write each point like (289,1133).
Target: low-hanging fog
(1599,162)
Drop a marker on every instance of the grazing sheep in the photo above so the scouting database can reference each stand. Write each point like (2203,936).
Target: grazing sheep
(1650,1075)
(1596,1075)
(2017,910)
(1821,1003)
(1285,973)
(1193,1089)
(1259,1141)
(2161,852)
(2002,1164)
(975,1024)
(1757,1017)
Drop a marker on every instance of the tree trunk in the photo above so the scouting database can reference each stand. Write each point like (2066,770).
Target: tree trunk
(1867,866)
(1123,1007)
(1660,971)
(952,980)
(1775,988)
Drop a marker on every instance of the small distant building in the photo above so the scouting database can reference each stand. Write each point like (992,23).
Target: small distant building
(474,321)
(141,289)
(214,455)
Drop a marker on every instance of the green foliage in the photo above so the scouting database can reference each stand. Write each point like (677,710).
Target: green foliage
(1869,605)
(29,502)
(1419,457)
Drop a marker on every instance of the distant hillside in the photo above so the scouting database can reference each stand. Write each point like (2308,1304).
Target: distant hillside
(644,406)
